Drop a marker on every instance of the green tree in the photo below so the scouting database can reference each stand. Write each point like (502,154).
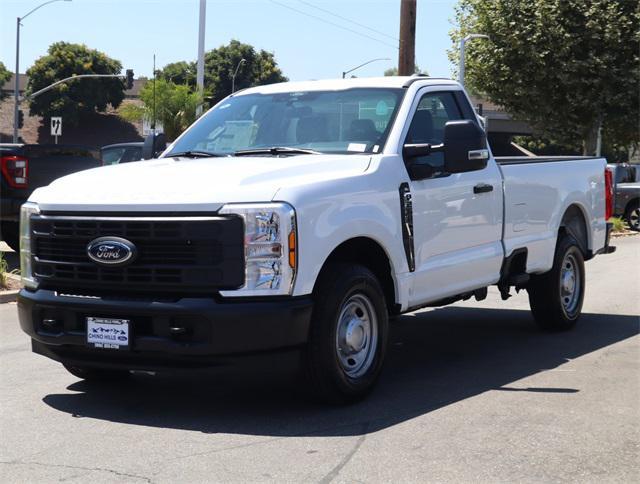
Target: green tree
(568,67)
(179,73)
(393,71)
(220,64)
(175,106)
(74,99)
(5,75)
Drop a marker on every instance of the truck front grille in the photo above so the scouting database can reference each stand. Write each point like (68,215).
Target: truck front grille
(173,253)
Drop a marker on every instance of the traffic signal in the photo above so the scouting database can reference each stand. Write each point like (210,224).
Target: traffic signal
(129,78)
(20,119)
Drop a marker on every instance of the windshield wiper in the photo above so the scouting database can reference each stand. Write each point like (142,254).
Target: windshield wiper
(193,154)
(276,150)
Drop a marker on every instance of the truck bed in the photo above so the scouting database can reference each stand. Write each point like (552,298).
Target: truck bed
(537,193)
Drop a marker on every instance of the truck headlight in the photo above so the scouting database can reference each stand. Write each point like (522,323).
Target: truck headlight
(270,243)
(26,260)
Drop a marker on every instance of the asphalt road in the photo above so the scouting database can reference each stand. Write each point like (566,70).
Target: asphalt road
(471,393)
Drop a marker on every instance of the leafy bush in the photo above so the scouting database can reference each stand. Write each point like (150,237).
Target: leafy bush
(618,224)
(175,106)
(4,265)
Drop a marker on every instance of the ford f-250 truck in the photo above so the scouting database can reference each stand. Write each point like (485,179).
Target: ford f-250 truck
(303,215)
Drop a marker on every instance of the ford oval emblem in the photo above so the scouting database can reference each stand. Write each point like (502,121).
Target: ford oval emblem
(111,251)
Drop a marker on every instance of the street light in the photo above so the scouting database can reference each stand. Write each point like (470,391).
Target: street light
(461,60)
(233,76)
(362,65)
(16,96)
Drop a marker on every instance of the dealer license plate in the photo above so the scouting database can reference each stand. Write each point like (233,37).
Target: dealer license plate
(108,333)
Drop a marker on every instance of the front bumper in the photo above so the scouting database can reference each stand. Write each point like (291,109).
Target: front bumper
(210,332)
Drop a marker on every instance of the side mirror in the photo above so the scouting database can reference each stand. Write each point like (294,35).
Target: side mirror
(465,147)
(410,151)
(153,145)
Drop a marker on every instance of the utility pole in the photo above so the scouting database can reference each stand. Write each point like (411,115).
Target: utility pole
(407,53)
(16,90)
(200,70)
(153,124)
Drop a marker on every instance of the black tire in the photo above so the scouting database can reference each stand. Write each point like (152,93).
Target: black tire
(349,312)
(96,374)
(632,216)
(10,235)
(556,297)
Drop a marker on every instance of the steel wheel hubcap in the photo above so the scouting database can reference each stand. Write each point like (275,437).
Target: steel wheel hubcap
(570,284)
(356,335)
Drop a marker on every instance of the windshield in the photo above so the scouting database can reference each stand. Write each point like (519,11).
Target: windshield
(348,121)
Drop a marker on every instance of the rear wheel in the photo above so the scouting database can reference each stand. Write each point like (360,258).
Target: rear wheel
(633,216)
(96,374)
(347,344)
(556,297)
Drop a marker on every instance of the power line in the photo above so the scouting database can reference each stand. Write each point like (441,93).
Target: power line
(349,20)
(334,24)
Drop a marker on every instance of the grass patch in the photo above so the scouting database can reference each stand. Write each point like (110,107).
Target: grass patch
(618,224)
(4,265)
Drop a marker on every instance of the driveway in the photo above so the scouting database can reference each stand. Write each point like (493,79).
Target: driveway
(471,393)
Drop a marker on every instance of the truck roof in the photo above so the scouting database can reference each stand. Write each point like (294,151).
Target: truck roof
(340,84)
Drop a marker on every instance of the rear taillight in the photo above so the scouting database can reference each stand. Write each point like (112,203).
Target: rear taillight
(608,188)
(15,171)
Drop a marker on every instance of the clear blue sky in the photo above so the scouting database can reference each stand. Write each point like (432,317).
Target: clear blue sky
(305,48)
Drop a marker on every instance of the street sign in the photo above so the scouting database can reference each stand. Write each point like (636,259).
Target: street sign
(56,127)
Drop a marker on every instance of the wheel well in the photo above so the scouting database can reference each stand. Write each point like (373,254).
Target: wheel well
(366,252)
(573,223)
(630,204)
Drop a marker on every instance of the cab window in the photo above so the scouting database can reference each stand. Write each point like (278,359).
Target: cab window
(427,125)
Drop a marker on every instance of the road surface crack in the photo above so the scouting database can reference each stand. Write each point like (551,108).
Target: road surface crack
(99,469)
(336,470)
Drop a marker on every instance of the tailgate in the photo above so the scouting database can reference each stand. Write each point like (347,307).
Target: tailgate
(49,162)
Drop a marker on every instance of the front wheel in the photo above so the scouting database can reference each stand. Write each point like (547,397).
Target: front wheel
(556,297)
(348,339)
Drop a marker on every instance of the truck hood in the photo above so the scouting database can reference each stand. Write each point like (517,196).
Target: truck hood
(180,184)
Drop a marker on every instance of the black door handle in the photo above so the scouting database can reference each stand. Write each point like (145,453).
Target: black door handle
(482,188)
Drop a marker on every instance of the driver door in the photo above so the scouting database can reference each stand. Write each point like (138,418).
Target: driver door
(457,218)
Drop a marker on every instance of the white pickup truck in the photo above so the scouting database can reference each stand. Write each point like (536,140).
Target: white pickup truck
(303,216)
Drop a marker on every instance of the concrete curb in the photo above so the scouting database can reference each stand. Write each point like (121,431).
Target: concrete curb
(9,296)
(626,233)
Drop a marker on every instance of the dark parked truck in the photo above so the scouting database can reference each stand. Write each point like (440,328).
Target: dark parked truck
(27,167)
(627,193)
(303,215)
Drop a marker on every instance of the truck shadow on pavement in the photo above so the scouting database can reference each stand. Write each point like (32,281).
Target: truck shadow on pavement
(435,359)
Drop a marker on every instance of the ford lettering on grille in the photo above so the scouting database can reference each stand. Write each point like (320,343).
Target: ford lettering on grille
(112,251)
